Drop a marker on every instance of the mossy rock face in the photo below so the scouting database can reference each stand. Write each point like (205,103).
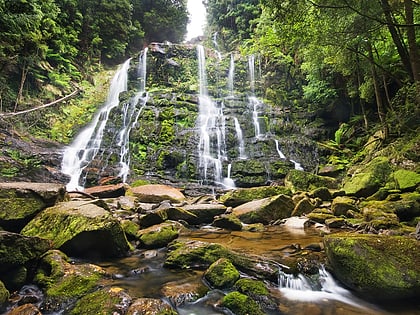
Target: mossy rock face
(265,210)
(222,274)
(406,180)
(240,196)
(106,301)
(342,205)
(249,173)
(379,267)
(158,236)
(80,228)
(64,281)
(368,178)
(322,192)
(303,181)
(241,304)
(229,222)
(22,201)
(4,293)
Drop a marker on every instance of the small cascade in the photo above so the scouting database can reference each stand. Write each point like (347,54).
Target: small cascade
(297,165)
(253,101)
(216,46)
(131,113)
(240,138)
(227,181)
(231,76)
(290,281)
(282,156)
(211,123)
(86,145)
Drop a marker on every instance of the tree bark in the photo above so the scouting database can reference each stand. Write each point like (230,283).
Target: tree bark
(411,38)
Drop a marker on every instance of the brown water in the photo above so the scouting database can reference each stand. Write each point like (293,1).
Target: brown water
(142,275)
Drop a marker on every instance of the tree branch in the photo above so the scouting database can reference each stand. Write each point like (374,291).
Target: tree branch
(42,106)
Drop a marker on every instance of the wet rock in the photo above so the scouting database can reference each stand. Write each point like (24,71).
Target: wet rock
(417,232)
(241,304)
(111,300)
(80,228)
(377,216)
(204,213)
(64,281)
(342,205)
(335,222)
(368,178)
(378,267)
(265,210)
(181,293)
(130,229)
(229,222)
(157,193)
(158,235)
(303,181)
(107,191)
(240,196)
(149,306)
(303,207)
(25,309)
(167,212)
(221,274)
(21,201)
(320,215)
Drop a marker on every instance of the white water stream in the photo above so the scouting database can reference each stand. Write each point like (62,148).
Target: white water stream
(86,145)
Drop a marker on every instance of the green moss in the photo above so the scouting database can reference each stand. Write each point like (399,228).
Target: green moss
(4,293)
(102,302)
(299,180)
(406,180)
(158,237)
(222,274)
(241,304)
(378,266)
(251,287)
(15,206)
(237,197)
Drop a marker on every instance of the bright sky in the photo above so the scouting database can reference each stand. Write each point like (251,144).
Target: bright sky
(197,18)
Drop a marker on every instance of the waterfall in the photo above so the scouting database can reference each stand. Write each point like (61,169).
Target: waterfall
(240,138)
(86,145)
(282,156)
(253,101)
(227,181)
(231,75)
(251,67)
(211,123)
(131,113)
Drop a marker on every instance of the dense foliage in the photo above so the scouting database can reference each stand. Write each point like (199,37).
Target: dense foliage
(47,45)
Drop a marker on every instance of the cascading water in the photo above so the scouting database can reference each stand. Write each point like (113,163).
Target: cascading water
(253,101)
(131,113)
(211,125)
(231,76)
(240,137)
(282,156)
(86,145)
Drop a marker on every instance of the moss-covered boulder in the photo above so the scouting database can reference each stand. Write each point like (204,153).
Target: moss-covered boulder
(379,267)
(229,222)
(149,306)
(166,212)
(304,206)
(156,193)
(4,293)
(249,173)
(113,300)
(80,228)
(241,304)
(221,274)
(186,254)
(21,201)
(303,181)
(405,180)
(240,196)
(204,212)
(341,206)
(379,215)
(265,210)
(158,235)
(367,179)
(64,281)
(322,193)
(251,287)
(184,291)
(19,253)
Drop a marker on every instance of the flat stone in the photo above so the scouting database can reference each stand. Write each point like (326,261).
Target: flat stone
(157,193)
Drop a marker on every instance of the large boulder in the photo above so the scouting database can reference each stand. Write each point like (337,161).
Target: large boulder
(378,267)
(222,274)
(240,196)
(157,193)
(80,228)
(21,201)
(64,281)
(367,179)
(18,254)
(304,181)
(265,210)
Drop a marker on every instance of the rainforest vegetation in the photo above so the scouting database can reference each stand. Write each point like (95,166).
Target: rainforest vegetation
(354,64)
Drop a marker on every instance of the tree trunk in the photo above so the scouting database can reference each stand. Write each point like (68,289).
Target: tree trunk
(22,84)
(411,38)
(402,51)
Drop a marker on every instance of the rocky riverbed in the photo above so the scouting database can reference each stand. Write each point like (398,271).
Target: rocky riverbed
(228,249)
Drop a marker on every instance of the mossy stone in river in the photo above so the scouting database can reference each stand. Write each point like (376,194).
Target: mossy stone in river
(240,196)
(158,236)
(303,181)
(222,274)
(379,267)
(251,287)
(4,293)
(106,301)
(241,304)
